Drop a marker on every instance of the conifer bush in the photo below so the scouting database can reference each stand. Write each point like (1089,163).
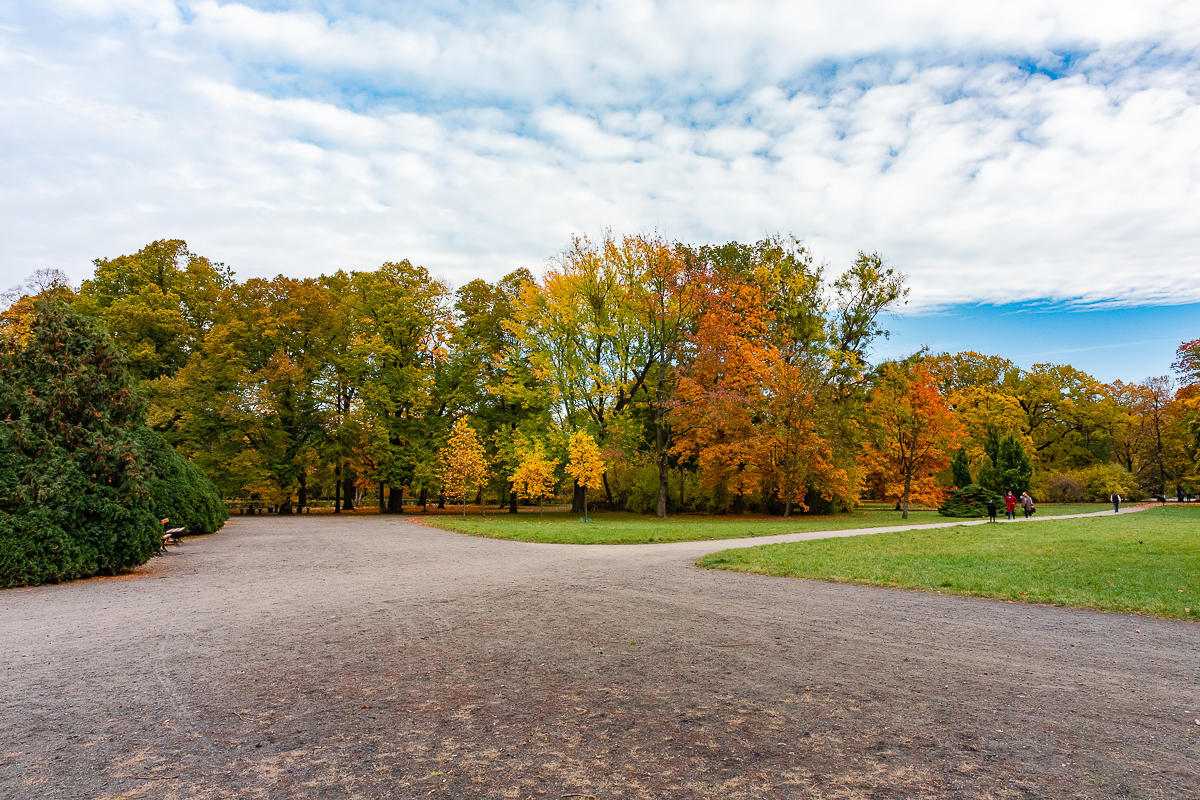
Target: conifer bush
(178,488)
(73,487)
(969,501)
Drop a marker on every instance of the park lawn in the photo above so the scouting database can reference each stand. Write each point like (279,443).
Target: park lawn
(1136,563)
(625,528)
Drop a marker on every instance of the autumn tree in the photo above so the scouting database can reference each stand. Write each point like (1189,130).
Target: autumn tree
(585,464)
(534,475)
(464,463)
(403,325)
(487,373)
(912,432)
(1187,361)
(158,303)
(587,337)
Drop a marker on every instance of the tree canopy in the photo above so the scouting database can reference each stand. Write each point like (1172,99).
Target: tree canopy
(715,378)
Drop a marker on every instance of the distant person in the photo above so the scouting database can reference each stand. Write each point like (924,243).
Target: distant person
(1179,494)
(1027,504)
(1010,506)
(991,506)
(1116,501)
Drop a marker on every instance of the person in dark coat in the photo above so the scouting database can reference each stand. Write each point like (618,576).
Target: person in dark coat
(1116,501)
(991,506)
(1027,504)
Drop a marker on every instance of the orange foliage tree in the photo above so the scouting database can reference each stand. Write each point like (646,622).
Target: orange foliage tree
(910,435)
(746,412)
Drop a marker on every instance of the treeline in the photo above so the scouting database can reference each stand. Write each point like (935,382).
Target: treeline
(714,378)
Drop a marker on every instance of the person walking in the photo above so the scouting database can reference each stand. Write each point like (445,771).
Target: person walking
(1010,506)
(991,507)
(1027,504)
(1116,501)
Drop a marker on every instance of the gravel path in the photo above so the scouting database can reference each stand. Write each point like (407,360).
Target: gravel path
(326,657)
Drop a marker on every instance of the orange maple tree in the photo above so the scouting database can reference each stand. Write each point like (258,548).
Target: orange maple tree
(745,412)
(911,434)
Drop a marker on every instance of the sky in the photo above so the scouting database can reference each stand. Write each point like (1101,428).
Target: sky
(1033,167)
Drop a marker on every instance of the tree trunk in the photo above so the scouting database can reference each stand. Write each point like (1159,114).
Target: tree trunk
(512,498)
(577,499)
(302,500)
(660,441)
(907,489)
(681,486)
(382,504)
(441,499)
(664,484)
(424,497)
(395,500)
(348,491)
(337,489)
(608,492)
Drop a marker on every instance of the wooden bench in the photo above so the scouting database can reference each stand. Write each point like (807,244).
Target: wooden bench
(171,536)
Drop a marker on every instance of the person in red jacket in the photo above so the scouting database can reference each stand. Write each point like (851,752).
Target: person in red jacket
(1010,506)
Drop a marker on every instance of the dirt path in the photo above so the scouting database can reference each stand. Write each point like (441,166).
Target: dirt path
(368,658)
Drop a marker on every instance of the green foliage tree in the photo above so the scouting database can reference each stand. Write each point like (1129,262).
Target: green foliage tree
(73,486)
(960,469)
(157,303)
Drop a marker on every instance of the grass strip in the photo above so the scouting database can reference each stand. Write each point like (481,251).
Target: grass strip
(625,528)
(1145,563)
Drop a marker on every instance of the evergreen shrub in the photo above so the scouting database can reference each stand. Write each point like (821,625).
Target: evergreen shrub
(73,494)
(178,488)
(969,501)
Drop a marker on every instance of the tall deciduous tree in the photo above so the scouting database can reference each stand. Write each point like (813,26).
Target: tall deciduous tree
(158,303)
(912,434)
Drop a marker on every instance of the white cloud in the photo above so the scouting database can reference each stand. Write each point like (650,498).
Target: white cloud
(288,141)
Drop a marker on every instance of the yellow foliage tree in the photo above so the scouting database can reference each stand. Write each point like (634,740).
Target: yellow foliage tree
(534,476)
(585,464)
(464,463)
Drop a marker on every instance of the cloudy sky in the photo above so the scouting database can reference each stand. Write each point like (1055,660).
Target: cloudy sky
(1040,159)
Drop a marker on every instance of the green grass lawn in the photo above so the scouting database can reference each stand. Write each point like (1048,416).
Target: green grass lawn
(624,528)
(1137,563)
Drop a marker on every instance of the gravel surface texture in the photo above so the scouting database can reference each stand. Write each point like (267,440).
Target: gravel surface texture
(371,657)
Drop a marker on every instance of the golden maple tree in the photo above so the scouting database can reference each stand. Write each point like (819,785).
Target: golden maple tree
(464,463)
(585,464)
(534,476)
